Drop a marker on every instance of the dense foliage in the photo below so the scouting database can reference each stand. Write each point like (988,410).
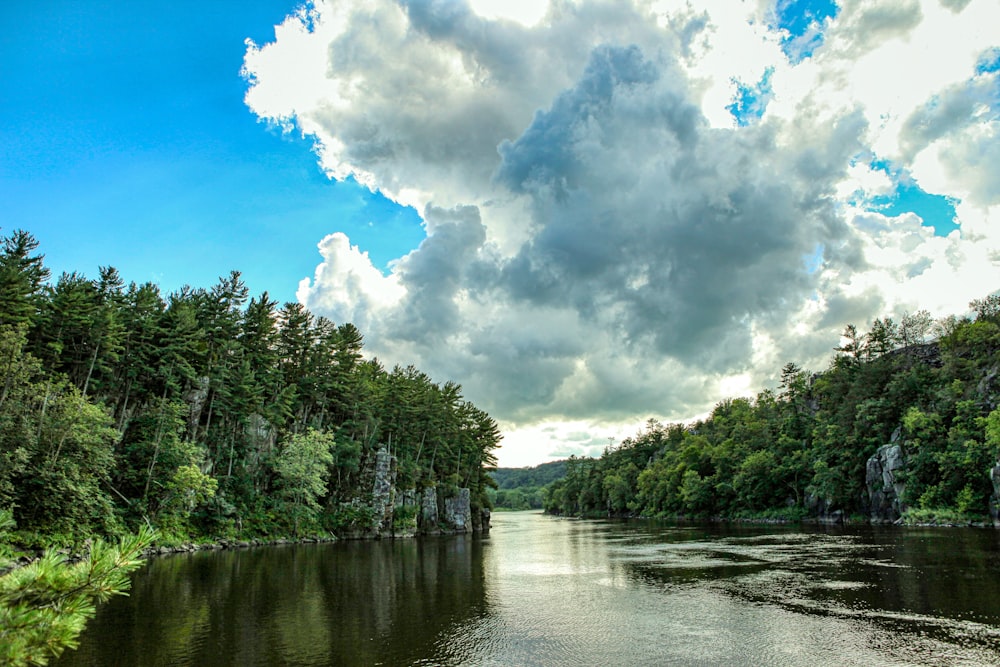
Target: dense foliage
(205,412)
(540,475)
(525,488)
(803,449)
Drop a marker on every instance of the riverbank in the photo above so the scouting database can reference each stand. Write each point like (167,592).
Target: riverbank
(918,520)
(25,555)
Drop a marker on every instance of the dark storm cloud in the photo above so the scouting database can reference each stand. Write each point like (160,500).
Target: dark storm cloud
(435,273)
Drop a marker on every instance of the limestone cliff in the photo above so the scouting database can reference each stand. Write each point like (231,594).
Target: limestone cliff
(394,512)
(883,480)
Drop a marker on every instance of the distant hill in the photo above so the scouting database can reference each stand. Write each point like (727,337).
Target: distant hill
(536,476)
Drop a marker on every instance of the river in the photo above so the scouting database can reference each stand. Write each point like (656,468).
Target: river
(547,591)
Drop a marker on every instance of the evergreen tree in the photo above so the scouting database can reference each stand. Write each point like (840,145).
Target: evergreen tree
(45,605)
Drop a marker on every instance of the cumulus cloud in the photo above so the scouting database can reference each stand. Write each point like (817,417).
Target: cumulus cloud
(605,242)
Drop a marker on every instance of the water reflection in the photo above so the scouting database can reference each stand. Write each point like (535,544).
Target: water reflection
(545,591)
(351,603)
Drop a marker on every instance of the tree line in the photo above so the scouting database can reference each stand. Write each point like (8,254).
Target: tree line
(931,386)
(524,488)
(205,411)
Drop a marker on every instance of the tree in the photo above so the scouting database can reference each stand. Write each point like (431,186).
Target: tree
(45,605)
(187,488)
(56,448)
(987,308)
(852,343)
(914,327)
(303,466)
(22,275)
(882,338)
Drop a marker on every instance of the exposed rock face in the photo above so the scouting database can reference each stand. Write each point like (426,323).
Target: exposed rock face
(458,512)
(989,387)
(408,512)
(481,521)
(922,353)
(195,397)
(885,489)
(261,432)
(429,510)
(383,490)
(994,474)
(824,509)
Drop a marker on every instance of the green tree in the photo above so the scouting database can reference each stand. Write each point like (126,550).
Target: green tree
(45,605)
(22,275)
(303,466)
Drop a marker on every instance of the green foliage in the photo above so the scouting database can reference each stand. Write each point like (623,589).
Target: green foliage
(45,605)
(522,498)
(537,476)
(937,516)
(804,449)
(204,411)
(404,518)
(354,515)
(22,275)
(303,466)
(525,488)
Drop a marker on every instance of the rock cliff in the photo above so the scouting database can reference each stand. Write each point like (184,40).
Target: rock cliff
(884,484)
(406,512)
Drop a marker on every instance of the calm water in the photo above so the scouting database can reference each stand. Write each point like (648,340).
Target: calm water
(547,591)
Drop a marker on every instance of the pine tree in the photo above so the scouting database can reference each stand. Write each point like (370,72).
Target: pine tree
(45,605)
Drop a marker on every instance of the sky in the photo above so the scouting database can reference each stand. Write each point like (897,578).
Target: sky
(588,213)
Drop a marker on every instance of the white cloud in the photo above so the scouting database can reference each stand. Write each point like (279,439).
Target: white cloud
(525,12)
(347,287)
(604,244)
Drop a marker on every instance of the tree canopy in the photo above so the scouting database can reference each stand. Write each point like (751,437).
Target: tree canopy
(197,411)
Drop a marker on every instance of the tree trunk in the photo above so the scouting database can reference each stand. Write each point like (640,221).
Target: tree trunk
(90,371)
(156,447)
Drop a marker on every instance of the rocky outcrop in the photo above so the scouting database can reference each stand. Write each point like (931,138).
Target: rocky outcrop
(988,387)
(481,520)
(884,483)
(994,474)
(919,353)
(383,491)
(444,512)
(429,510)
(824,509)
(196,396)
(392,512)
(261,434)
(457,514)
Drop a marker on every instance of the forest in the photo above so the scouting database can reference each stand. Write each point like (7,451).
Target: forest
(902,426)
(207,413)
(524,488)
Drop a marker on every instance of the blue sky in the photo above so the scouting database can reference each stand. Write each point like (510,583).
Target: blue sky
(618,205)
(127,143)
